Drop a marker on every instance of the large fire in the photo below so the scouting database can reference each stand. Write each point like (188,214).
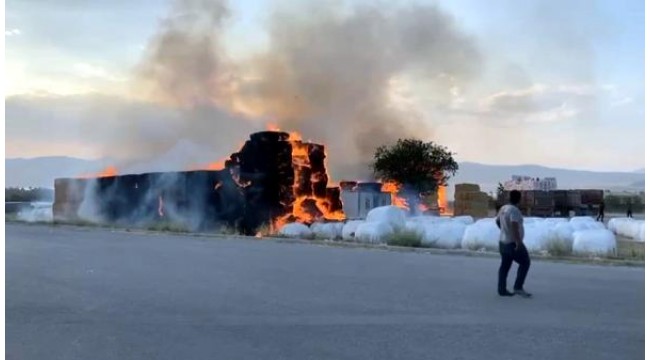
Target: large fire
(394,189)
(300,152)
(313,198)
(442,200)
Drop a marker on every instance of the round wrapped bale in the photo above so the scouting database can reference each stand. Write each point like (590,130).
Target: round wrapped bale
(537,236)
(391,215)
(417,227)
(447,235)
(532,220)
(373,232)
(428,219)
(631,228)
(562,232)
(482,234)
(586,225)
(465,219)
(576,219)
(594,242)
(329,231)
(296,230)
(349,229)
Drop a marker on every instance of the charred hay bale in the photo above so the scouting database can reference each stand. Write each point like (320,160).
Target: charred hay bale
(269,136)
(267,157)
(231,200)
(303,181)
(333,196)
(309,206)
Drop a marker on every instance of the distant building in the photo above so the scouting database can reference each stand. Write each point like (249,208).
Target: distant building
(519,182)
(359,198)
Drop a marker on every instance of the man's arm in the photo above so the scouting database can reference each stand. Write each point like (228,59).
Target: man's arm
(516,220)
(516,233)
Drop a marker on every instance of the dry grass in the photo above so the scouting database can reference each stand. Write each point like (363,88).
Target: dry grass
(405,238)
(630,250)
(168,226)
(557,247)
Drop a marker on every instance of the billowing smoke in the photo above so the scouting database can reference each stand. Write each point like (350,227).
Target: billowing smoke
(331,73)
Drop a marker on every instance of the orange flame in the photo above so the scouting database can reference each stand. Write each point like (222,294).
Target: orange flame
(214,166)
(442,200)
(272,127)
(300,159)
(107,172)
(217,165)
(393,188)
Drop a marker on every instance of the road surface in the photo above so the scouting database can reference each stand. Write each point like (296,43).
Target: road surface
(97,294)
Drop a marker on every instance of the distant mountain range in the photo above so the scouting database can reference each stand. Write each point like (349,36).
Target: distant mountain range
(41,172)
(489,176)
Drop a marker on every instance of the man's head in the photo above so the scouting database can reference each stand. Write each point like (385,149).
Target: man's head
(515,197)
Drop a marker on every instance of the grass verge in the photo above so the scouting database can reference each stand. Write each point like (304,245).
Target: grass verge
(405,238)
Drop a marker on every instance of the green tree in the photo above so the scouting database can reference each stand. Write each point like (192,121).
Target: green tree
(421,166)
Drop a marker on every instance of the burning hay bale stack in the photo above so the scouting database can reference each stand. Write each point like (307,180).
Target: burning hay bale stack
(263,170)
(275,178)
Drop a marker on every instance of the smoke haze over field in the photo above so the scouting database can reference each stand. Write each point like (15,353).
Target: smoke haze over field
(181,83)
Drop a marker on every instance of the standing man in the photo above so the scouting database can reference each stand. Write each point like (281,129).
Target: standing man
(511,246)
(629,208)
(601,212)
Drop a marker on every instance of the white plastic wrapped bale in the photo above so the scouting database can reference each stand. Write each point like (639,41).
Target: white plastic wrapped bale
(528,220)
(563,232)
(349,229)
(630,228)
(594,242)
(556,221)
(641,236)
(482,234)
(576,219)
(586,225)
(613,224)
(417,227)
(428,219)
(339,229)
(329,231)
(373,232)
(537,236)
(296,230)
(465,219)
(448,235)
(391,215)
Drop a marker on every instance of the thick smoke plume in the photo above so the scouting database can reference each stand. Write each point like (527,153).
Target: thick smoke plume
(330,73)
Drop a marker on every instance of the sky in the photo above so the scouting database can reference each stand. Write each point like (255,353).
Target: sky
(554,83)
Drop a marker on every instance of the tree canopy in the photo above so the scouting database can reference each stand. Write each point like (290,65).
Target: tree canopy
(28,194)
(421,165)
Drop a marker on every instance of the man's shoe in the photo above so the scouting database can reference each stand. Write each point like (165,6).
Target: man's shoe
(505,293)
(523,293)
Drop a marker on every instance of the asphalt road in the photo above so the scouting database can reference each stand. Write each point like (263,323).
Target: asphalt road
(96,294)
